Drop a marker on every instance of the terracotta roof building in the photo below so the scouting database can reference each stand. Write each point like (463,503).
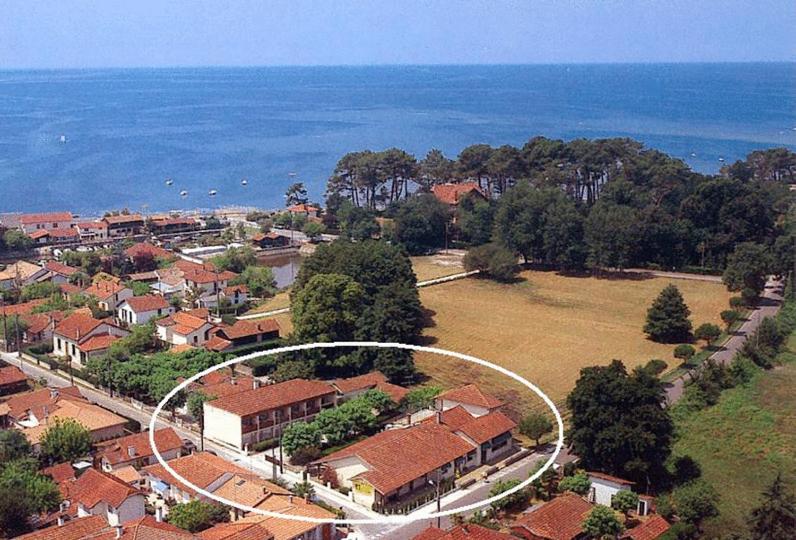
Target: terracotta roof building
(12,380)
(651,528)
(375,380)
(463,532)
(101,494)
(19,274)
(559,519)
(108,294)
(471,397)
(76,529)
(135,449)
(185,328)
(451,194)
(245,418)
(80,337)
(147,248)
(243,333)
(44,222)
(142,309)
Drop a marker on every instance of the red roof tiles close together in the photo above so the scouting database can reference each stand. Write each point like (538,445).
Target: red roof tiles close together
(560,519)
(272,396)
(452,193)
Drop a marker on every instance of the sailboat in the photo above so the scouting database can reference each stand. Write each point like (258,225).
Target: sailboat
(183,193)
(212,192)
(62,139)
(169,181)
(244,182)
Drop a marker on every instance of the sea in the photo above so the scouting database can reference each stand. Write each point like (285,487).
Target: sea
(92,140)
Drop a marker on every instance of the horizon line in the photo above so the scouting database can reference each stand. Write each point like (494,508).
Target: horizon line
(365,65)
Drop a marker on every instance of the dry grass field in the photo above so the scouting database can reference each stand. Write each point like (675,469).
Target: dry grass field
(547,327)
(439,265)
(278,301)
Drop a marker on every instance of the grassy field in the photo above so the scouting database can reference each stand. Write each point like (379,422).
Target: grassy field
(743,442)
(438,265)
(546,327)
(278,301)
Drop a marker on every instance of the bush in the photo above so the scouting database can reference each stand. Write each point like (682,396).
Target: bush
(305,455)
(578,483)
(736,302)
(684,352)
(656,366)
(492,260)
(742,369)
(667,317)
(267,444)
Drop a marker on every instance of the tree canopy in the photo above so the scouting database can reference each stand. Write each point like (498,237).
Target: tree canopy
(667,318)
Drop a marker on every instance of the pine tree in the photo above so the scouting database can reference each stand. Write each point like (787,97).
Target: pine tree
(667,318)
(775,518)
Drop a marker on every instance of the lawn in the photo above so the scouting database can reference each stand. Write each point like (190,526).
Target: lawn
(278,301)
(546,327)
(438,265)
(743,442)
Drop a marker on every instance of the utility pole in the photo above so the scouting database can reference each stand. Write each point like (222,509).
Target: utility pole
(439,502)
(5,327)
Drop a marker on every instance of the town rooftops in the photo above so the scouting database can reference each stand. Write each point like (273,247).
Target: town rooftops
(11,375)
(59,268)
(148,302)
(19,405)
(375,380)
(76,529)
(60,472)
(95,486)
(145,528)
(470,394)
(88,225)
(183,322)
(249,490)
(49,217)
(97,343)
(200,468)
(452,193)
(77,326)
(302,209)
(137,446)
(560,519)
(146,247)
(208,276)
(221,383)
(259,237)
(23,308)
(463,532)
(92,417)
(397,456)
(271,396)
(243,329)
(54,233)
(39,322)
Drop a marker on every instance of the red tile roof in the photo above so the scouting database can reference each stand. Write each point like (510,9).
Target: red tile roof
(36,401)
(302,209)
(219,384)
(184,322)
(559,519)
(146,247)
(118,450)
(480,429)
(69,288)
(60,268)
(76,529)
(122,218)
(92,225)
(148,302)
(217,343)
(471,395)
(77,326)
(23,308)
(145,528)
(199,468)
(243,329)
(60,473)
(272,396)
(651,528)
(51,217)
(463,532)
(97,343)
(104,289)
(10,375)
(95,486)
(452,193)
(208,276)
(397,456)
(374,380)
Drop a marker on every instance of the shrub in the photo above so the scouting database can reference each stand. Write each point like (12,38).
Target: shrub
(578,483)
(729,317)
(736,302)
(684,352)
(267,444)
(656,366)
(742,369)
(492,260)
(707,332)
(305,455)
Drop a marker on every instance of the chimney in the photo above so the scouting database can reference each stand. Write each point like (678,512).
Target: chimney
(131,451)
(255,383)
(53,393)
(438,414)
(119,531)
(290,499)
(159,514)
(233,381)
(61,521)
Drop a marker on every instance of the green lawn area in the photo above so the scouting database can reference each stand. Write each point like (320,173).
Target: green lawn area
(743,441)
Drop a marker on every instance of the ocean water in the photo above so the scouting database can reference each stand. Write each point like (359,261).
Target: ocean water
(128,130)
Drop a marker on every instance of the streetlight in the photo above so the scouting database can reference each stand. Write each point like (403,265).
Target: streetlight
(439,509)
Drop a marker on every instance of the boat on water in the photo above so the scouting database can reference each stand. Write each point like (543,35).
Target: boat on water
(212,192)
(169,181)
(244,182)
(721,159)
(62,139)
(693,154)
(183,193)
(291,174)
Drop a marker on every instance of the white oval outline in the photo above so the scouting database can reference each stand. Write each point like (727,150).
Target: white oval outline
(394,518)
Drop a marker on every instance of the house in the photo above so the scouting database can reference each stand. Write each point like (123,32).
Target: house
(96,493)
(149,249)
(124,225)
(242,419)
(604,487)
(12,380)
(80,337)
(270,240)
(24,308)
(468,531)
(375,380)
(30,223)
(308,210)
(60,472)
(19,274)
(55,236)
(40,326)
(95,528)
(398,463)
(58,272)
(108,294)
(236,294)
(471,397)
(185,328)
(172,225)
(206,280)
(92,230)
(651,528)
(141,309)
(491,432)
(135,450)
(34,412)
(243,333)
(559,519)
(202,469)
(451,194)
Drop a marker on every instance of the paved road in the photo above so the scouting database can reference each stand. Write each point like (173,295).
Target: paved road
(769,305)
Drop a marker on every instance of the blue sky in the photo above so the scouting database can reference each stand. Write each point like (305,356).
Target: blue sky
(111,33)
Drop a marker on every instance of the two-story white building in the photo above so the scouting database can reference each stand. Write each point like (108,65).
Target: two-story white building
(97,493)
(185,328)
(108,293)
(79,337)
(30,223)
(142,309)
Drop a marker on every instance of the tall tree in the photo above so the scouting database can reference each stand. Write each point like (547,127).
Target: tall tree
(747,268)
(611,235)
(65,440)
(421,223)
(667,318)
(296,194)
(435,168)
(775,518)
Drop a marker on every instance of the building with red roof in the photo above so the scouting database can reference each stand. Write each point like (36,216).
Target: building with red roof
(79,337)
(59,272)
(451,194)
(45,222)
(108,293)
(55,236)
(244,418)
(467,531)
(651,528)
(270,240)
(242,333)
(135,450)
(100,494)
(12,380)
(308,210)
(471,397)
(124,225)
(172,225)
(74,529)
(142,309)
(375,380)
(149,249)
(185,328)
(559,519)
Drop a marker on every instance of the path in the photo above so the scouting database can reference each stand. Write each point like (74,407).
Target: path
(769,305)
(675,275)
